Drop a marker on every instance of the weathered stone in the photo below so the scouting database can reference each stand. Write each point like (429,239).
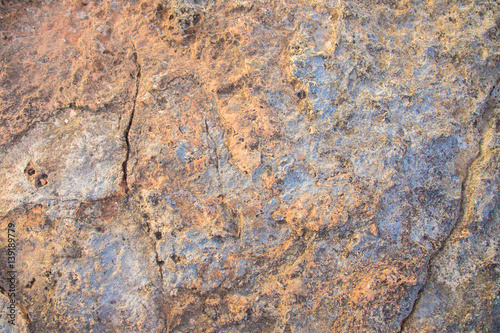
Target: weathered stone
(463,279)
(296,166)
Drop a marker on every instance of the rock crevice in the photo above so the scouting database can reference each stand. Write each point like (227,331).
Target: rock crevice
(126,133)
(488,120)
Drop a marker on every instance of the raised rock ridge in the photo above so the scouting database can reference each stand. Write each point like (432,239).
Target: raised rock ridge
(250,166)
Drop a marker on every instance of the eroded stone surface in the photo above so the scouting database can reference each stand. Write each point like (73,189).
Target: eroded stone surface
(78,154)
(464,273)
(297,166)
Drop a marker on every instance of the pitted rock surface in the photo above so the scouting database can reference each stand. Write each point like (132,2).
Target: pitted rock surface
(251,166)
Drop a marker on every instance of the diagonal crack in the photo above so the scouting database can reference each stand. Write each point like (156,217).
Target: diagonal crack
(124,183)
(487,119)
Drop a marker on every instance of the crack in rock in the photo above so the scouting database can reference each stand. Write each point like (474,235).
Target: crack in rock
(217,162)
(126,134)
(160,263)
(486,118)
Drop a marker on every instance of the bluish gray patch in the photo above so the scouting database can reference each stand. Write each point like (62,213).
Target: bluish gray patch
(183,152)
(170,201)
(294,183)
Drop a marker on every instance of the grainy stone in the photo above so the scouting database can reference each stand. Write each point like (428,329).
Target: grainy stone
(237,166)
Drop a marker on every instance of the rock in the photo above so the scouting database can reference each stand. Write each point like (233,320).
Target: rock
(463,275)
(297,166)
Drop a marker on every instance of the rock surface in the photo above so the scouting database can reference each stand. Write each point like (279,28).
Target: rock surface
(265,166)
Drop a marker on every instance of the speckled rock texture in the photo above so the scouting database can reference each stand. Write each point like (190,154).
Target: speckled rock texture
(250,166)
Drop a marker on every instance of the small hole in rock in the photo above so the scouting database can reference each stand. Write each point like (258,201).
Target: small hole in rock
(30,284)
(41,180)
(158,235)
(196,18)
(301,94)
(30,169)
(175,258)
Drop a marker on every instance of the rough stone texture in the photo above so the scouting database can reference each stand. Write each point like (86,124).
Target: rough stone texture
(251,166)
(464,275)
